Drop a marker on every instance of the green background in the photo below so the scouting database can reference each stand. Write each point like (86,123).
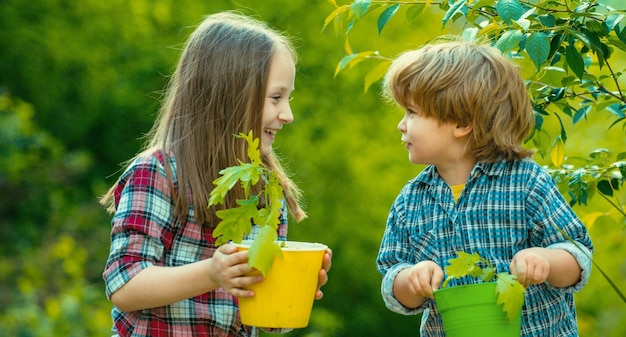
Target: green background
(80,83)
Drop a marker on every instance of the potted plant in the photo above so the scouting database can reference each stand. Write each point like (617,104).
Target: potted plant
(285,297)
(488,308)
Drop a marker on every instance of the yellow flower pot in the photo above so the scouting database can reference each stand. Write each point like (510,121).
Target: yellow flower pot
(285,297)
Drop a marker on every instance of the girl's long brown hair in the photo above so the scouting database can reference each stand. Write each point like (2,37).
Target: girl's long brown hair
(216,92)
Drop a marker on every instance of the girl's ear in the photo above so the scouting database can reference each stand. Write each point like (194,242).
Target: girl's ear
(461,131)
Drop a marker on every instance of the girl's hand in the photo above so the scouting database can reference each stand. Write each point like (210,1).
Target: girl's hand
(323,274)
(229,269)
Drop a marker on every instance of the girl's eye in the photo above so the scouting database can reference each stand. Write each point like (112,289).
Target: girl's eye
(279,97)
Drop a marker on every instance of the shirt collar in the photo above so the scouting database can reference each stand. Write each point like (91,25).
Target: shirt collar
(429,174)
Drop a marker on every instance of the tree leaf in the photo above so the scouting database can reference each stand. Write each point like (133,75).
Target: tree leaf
(359,7)
(352,60)
(462,265)
(509,40)
(604,186)
(557,152)
(581,113)
(601,153)
(575,61)
(577,186)
(247,173)
(385,16)
(456,8)
(335,17)
(376,73)
(547,20)
(263,250)
(510,294)
(538,48)
(509,10)
(613,20)
(253,147)
(236,222)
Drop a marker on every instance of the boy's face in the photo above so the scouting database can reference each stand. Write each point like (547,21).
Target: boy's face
(427,140)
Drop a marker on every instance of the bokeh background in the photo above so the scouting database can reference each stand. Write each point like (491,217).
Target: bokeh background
(80,83)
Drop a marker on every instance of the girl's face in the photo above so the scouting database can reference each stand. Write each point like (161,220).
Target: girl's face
(276,108)
(427,140)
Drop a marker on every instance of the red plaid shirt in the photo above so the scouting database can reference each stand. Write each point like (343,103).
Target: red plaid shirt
(145,233)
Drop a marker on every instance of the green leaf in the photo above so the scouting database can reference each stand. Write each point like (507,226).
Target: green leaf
(578,186)
(557,152)
(254,154)
(597,27)
(273,193)
(601,153)
(385,16)
(604,186)
(335,17)
(359,7)
(458,7)
(509,10)
(538,48)
(488,273)
(236,222)
(376,73)
(510,294)
(462,265)
(547,20)
(263,250)
(613,20)
(509,40)
(352,60)
(575,61)
(581,113)
(247,173)
(563,132)
(414,11)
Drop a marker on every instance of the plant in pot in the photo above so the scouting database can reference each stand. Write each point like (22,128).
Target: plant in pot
(488,308)
(285,297)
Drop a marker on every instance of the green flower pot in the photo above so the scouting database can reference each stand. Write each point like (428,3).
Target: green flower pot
(472,311)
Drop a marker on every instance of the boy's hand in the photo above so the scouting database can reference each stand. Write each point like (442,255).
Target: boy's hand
(424,278)
(323,275)
(530,266)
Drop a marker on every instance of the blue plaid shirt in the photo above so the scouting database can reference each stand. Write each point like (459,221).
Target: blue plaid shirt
(505,207)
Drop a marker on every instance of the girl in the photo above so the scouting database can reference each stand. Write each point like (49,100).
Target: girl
(164,274)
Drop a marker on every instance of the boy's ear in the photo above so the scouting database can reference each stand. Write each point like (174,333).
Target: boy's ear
(462,130)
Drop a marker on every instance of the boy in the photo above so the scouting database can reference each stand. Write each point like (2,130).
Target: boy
(466,115)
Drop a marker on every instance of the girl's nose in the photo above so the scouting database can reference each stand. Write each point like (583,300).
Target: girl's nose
(286,115)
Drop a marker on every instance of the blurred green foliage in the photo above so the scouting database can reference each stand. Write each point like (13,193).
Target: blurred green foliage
(80,82)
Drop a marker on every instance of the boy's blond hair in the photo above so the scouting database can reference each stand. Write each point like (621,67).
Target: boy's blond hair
(470,84)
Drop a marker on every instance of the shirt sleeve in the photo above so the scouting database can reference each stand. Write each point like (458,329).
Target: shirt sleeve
(142,225)
(556,226)
(395,255)
(582,254)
